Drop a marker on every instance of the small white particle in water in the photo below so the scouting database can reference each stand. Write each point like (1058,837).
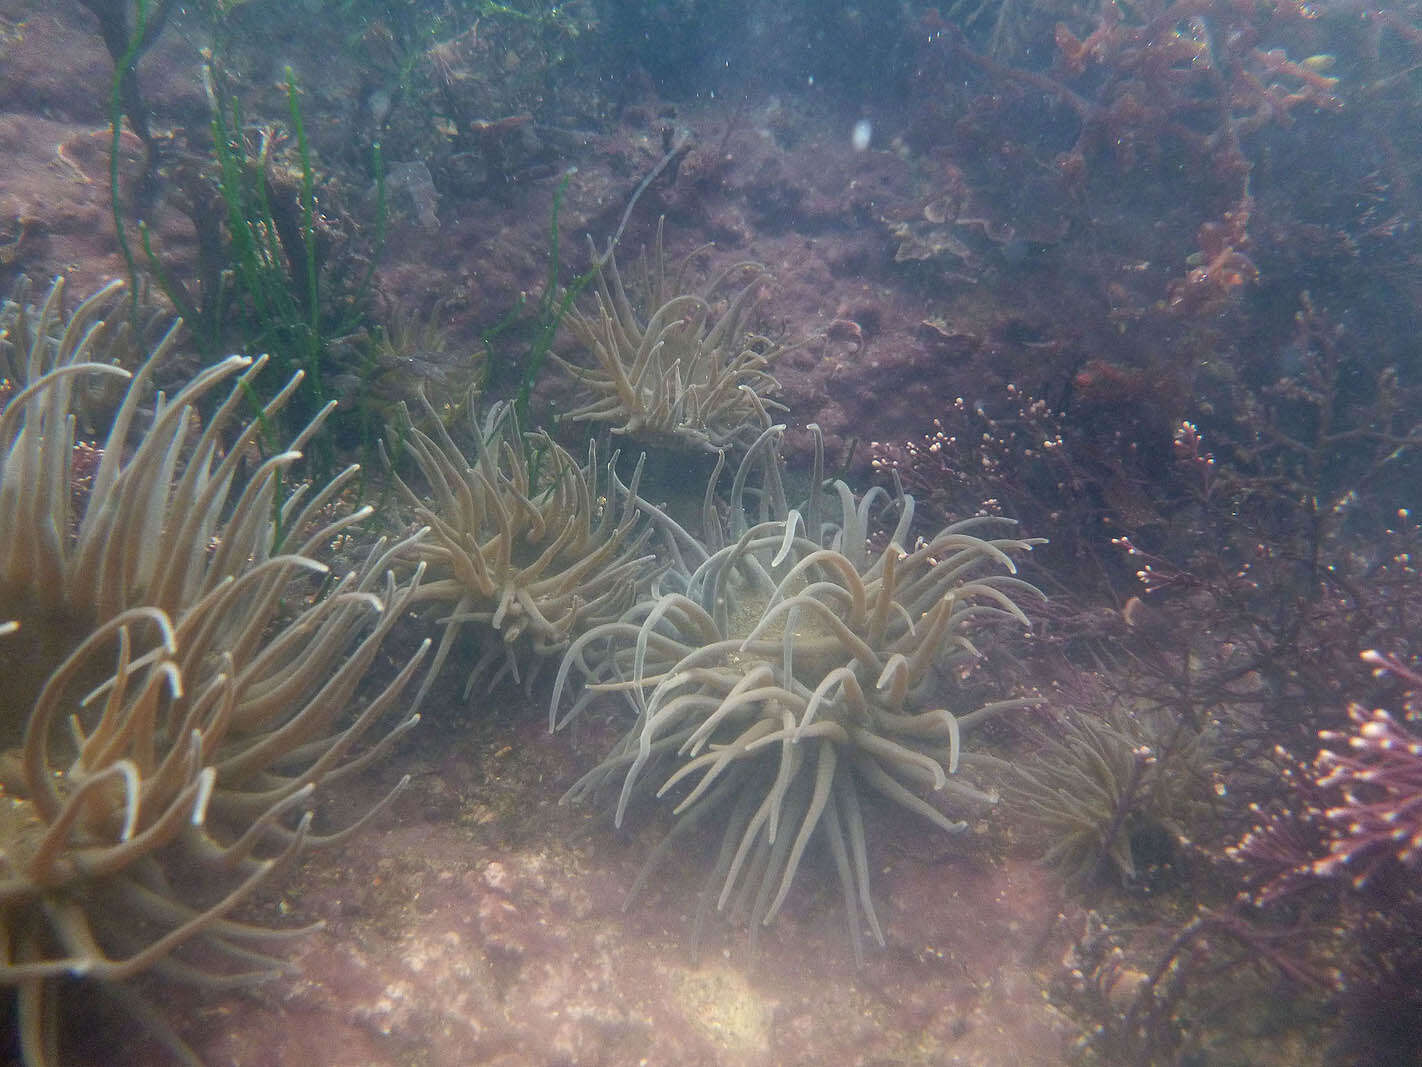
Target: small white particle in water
(496,877)
(860,137)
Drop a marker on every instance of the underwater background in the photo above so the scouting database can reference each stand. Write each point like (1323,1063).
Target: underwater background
(948,473)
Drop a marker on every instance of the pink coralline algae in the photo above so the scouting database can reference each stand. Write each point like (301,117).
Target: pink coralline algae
(1375,772)
(1357,807)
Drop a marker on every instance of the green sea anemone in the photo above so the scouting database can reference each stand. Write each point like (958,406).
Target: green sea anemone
(792,676)
(1111,791)
(525,542)
(180,671)
(410,353)
(684,372)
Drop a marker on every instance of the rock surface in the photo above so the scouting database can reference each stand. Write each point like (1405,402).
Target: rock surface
(482,923)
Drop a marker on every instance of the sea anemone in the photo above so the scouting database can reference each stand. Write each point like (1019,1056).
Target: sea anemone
(526,542)
(410,353)
(682,373)
(179,672)
(791,676)
(1112,793)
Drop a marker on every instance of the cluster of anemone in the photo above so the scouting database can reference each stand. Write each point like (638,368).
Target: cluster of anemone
(525,542)
(181,670)
(789,676)
(682,371)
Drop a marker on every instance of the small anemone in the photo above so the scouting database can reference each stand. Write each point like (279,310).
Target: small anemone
(1112,793)
(179,672)
(679,373)
(790,678)
(526,542)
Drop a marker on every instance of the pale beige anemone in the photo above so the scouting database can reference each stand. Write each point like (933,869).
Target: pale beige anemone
(682,371)
(526,545)
(795,673)
(180,671)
